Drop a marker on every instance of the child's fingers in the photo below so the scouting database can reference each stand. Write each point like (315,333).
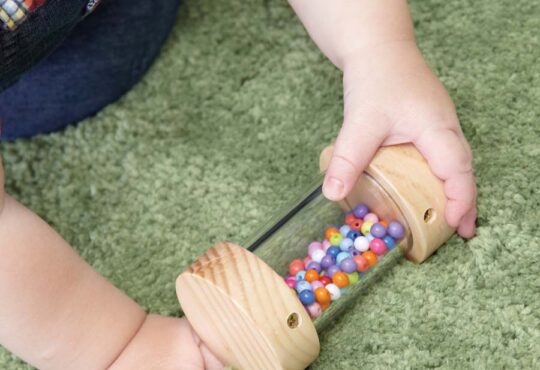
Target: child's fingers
(356,144)
(467,227)
(450,159)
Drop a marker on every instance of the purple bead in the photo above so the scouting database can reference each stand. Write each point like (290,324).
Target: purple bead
(313,246)
(333,251)
(313,265)
(395,230)
(378,230)
(327,261)
(360,210)
(354,252)
(348,265)
(332,270)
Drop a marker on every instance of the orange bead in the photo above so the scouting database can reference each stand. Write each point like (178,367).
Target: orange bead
(362,264)
(340,279)
(311,276)
(324,306)
(331,231)
(350,218)
(371,258)
(384,223)
(322,295)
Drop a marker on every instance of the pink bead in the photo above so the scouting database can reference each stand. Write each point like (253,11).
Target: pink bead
(314,310)
(371,217)
(306,261)
(313,246)
(378,246)
(317,284)
(325,245)
(291,282)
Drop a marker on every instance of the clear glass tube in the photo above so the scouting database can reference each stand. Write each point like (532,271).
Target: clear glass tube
(286,238)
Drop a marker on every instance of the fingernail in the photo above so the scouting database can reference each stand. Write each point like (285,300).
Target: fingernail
(333,188)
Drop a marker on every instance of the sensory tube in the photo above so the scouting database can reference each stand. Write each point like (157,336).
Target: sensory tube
(236,297)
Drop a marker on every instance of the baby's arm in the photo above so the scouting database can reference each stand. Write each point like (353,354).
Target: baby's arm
(58,313)
(390,97)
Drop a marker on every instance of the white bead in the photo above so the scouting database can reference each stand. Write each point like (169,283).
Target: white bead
(318,255)
(334,291)
(361,244)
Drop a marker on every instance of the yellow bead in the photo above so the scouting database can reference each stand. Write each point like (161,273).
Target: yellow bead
(366,227)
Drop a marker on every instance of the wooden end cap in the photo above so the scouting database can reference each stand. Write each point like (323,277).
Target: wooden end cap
(245,313)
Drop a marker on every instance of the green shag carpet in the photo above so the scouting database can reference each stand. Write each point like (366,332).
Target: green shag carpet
(226,129)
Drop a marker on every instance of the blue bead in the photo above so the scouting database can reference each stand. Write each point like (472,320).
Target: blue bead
(353,234)
(306,297)
(345,244)
(303,285)
(314,266)
(340,257)
(344,230)
(389,241)
(300,275)
(333,251)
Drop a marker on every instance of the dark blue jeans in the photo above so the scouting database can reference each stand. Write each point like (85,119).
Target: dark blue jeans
(104,56)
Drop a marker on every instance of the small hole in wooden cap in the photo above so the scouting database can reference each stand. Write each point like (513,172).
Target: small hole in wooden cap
(293,320)
(429,215)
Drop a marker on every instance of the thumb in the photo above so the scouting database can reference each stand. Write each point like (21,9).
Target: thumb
(355,146)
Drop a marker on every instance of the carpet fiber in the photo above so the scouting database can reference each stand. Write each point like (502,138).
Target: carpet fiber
(226,128)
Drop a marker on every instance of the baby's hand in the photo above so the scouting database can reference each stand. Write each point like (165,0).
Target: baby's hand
(392,97)
(166,343)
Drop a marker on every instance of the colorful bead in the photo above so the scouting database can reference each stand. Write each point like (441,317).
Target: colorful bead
(384,223)
(312,275)
(357,225)
(295,266)
(333,251)
(371,217)
(322,295)
(291,282)
(340,279)
(361,244)
(306,297)
(332,270)
(302,285)
(314,310)
(378,230)
(395,230)
(336,239)
(353,277)
(334,291)
(327,261)
(362,263)
(330,231)
(378,247)
(341,256)
(350,218)
(325,245)
(344,230)
(370,257)
(369,237)
(360,211)
(312,265)
(345,244)
(325,306)
(366,227)
(314,246)
(318,255)
(353,234)
(300,275)
(316,285)
(306,261)
(348,265)
(325,280)
(389,241)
